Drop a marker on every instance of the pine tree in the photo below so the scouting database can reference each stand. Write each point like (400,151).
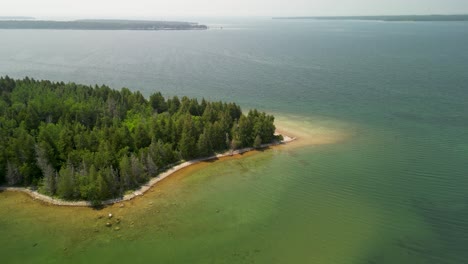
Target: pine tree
(204,148)
(137,170)
(158,103)
(13,176)
(66,182)
(102,188)
(125,166)
(187,144)
(48,172)
(257,142)
(150,166)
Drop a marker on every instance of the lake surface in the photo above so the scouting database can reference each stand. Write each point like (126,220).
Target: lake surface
(390,186)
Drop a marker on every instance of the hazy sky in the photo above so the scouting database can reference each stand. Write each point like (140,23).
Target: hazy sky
(167,8)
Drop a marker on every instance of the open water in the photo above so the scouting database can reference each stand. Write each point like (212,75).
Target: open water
(379,173)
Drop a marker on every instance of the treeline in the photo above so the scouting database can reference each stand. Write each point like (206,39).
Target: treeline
(94,143)
(100,24)
(422,18)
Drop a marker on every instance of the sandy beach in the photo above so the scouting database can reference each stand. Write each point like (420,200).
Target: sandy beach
(144,188)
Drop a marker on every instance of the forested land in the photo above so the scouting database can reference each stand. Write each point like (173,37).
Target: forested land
(100,24)
(79,142)
(401,18)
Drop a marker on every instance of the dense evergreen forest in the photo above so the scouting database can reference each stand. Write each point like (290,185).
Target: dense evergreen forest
(93,143)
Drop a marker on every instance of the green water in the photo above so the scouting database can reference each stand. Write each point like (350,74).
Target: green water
(390,187)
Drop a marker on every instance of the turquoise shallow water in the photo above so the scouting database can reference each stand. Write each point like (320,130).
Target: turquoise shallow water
(392,190)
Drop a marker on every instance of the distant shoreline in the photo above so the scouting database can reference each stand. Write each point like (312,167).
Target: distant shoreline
(58,202)
(100,24)
(399,18)
(16,18)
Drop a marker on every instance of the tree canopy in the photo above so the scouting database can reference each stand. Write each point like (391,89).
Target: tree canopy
(94,143)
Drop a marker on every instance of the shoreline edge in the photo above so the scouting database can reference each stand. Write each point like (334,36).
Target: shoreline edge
(145,187)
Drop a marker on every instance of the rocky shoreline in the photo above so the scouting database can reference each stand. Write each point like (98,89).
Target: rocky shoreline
(55,201)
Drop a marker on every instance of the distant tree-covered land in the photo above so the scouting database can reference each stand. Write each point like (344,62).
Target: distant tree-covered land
(387,18)
(100,24)
(93,143)
(16,18)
